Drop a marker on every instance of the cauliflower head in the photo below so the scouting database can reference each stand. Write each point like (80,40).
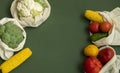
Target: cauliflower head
(28,8)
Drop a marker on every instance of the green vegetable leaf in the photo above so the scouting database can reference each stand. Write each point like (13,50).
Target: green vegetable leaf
(34,13)
(42,2)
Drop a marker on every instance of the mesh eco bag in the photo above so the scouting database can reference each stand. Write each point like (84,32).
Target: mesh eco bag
(112,66)
(5,51)
(114,34)
(113,38)
(28,21)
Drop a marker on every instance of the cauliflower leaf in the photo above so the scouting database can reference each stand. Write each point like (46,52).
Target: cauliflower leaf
(42,2)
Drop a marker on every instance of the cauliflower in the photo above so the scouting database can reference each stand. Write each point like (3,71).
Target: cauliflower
(36,10)
(28,8)
(30,13)
(12,35)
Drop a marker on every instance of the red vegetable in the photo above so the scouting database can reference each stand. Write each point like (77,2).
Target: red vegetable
(94,27)
(105,55)
(105,26)
(92,65)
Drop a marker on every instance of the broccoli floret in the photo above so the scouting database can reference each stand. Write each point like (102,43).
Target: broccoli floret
(19,38)
(8,24)
(11,28)
(5,38)
(12,35)
(35,13)
(13,45)
(2,29)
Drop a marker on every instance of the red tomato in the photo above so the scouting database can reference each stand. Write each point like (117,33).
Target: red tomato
(105,55)
(94,27)
(105,26)
(92,65)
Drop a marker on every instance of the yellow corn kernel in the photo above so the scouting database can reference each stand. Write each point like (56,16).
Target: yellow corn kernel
(15,60)
(93,16)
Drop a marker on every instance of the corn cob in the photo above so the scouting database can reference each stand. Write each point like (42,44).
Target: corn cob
(93,16)
(16,60)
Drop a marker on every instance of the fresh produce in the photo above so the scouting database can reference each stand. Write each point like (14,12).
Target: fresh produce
(30,13)
(105,55)
(42,2)
(94,27)
(92,65)
(99,30)
(11,34)
(105,26)
(2,29)
(91,50)
(98,27)
(15,60)
(97,36)
(93,16)
(29,8)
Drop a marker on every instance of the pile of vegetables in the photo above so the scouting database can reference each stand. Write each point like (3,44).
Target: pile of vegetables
(98,27)
(99,56)
(96,59)
(30,13)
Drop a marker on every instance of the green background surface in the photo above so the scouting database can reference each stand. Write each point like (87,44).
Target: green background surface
(58,44)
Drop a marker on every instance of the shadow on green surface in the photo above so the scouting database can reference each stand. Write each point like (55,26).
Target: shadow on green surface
(81,64)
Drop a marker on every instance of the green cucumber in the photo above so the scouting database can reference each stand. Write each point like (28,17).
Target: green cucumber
(98,36)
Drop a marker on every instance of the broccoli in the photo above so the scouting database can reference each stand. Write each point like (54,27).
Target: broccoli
(19,38)
(12,35)
(2,29)
(11,28)
(5,38)
(13,45)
